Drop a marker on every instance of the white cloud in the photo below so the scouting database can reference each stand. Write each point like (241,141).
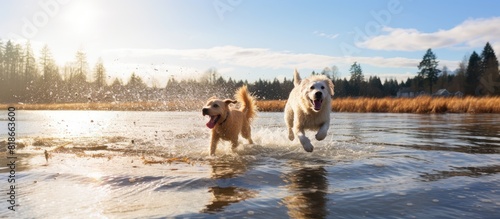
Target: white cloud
(325,35)
(470,33)
(264,58)
(233,61)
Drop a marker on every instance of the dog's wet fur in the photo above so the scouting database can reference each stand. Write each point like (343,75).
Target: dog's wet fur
(308,108)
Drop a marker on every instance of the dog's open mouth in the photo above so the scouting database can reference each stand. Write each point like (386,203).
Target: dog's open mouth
(213,121)
(317,104)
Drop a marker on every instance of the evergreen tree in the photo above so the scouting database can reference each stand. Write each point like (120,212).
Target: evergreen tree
(77,82)
(2,73)
(356,79)
(489,70)
(18,68)
(473,74)
(2,60)
(11,72)
(428,68)
(81,66)
(30,69)
(135,82)
(375,87)
(172,87)
(48,84)
(30,72)
(136,88)
(390,87)
(116,89)
(99,74)
(286,88)
(45,60)
(9,61)
(339,88)
(276,89)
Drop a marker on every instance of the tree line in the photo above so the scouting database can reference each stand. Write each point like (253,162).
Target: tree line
(476,76)
(28,78)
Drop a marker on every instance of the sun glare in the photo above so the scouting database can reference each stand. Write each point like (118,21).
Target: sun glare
(97,176)
(88,124)
(81,16)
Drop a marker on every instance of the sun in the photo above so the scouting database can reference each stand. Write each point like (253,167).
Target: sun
(81,17)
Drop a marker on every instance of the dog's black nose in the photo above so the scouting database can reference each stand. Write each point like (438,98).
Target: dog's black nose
(318,95)
(204,111)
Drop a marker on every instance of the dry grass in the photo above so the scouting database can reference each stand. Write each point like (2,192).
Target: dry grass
(271,105)
(404,105)
(361,105)
(174,105)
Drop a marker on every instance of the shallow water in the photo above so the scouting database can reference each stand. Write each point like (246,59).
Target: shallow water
(155,164)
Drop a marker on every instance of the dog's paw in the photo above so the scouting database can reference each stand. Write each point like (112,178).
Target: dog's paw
(308,147)
(234,150)
(291,136)
(306,143)
(320,135)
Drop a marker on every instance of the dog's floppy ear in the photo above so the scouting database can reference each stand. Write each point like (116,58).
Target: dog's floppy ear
(331,86)
(229,101)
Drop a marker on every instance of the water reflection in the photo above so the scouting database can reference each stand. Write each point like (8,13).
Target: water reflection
(474,134)
(222,169)
(462,171)
(488,149)
(471,134)
(482,131)
(309,188)
(223,196)
(374,166)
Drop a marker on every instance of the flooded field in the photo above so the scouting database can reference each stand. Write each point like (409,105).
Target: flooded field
(115,164)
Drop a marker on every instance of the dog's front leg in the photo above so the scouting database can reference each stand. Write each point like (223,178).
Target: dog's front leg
(323,130)
(304,141)
(213,143)
(234,144)
(289,121)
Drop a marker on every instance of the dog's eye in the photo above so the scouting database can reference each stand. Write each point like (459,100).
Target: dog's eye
(322,87)
(215,105)
(312,87)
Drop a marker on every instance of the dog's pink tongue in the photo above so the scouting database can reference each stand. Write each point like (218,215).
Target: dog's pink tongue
(211,123)
(317,104)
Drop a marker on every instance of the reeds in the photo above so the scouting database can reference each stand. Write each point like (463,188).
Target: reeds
(424,104)
(173,105)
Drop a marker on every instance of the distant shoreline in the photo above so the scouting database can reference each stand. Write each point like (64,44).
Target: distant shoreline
(359,105)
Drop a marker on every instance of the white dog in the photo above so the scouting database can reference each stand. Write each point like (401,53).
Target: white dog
(309,107)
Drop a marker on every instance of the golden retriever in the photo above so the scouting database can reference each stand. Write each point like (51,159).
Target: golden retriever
(309,107)
(227,122)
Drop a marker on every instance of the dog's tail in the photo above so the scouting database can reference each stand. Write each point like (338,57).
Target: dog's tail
(247,102)
(296,78)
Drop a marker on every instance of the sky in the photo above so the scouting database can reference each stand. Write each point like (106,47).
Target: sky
(252,39)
